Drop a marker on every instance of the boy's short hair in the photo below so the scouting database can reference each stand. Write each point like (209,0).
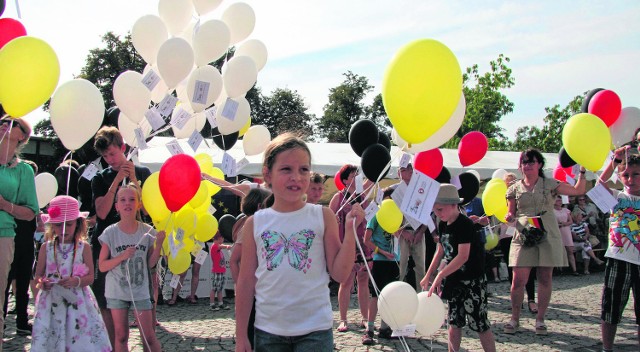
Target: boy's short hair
(386,193)
(106,136)
(630,160)
(317,178)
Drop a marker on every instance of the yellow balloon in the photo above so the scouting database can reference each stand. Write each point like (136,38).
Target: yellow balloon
(166,224)
(180,263)
(29,73)
(200,196)
(186,220)
(492,241)
(245,128)
(204,161)
(389,216)
(217,173)
(421,89)
(189,243)
(587,140)
(501,213)
(165,246)
(203,208)
(207,227)
(494,198)
(152,198)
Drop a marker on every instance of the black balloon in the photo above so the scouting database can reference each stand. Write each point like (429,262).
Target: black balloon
(225,226)
(384,140)
(565,159)
(224,142)
(111,116)
(374,162)
(363,134)
(470,187)
(444,176)
(62,173)
(2,5)
(587,99)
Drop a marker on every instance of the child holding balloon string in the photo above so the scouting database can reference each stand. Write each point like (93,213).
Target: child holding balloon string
(126,255)
(288,252)
(67,314)
(464,283)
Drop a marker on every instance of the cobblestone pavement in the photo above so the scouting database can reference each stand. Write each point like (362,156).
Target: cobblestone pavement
(573,322)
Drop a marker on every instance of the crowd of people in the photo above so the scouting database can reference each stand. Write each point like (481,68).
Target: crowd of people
(98,263)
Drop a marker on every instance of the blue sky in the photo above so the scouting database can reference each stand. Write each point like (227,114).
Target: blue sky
(558,49)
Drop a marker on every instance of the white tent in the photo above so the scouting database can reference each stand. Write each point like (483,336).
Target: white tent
(327,158)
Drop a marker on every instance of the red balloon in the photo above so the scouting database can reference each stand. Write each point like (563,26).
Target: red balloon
(179,180)
(429,162)
(606,105)
(9,30)
(472,148)
(560,173)
(338,181)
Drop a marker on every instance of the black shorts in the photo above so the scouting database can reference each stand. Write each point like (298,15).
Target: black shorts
(383,272)
(98,280)
(619,278)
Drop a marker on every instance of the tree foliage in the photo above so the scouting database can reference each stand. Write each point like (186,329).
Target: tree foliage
(283,110)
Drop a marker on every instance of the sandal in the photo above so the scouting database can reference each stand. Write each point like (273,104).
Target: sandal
(541,329)
(343,327)
(511,327)
(192,300)
(171,302)
(533,310)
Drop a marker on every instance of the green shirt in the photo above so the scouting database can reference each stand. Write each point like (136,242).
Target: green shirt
(17,185)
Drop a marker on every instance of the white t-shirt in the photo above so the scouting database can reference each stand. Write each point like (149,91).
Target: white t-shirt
(624,229)
(292,293)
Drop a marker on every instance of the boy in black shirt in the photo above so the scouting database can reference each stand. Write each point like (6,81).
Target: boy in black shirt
(462,278)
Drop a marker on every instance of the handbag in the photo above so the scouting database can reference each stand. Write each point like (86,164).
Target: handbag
(531,230)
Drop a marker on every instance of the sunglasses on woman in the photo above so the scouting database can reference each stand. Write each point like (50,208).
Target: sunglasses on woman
(15,124)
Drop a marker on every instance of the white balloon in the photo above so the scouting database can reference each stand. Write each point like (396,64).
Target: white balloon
(475,173)
(623,128)
(208,82)
(131,96)
(181,93)
(175,61)
(397,304)
(499,173)
(77,111)
(148,33)
(195,123)
(254,49)
(46,188)
(205,6)
(187,33)
(430,315)
(241,20)
(127,129)
(176,14)
(211,41)
(160,90)
(255,140)
(228,125)
(239,74)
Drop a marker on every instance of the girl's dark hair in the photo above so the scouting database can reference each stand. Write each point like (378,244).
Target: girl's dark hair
(317,178)
(281,143)
(532,153)
(345,171)
(253,201)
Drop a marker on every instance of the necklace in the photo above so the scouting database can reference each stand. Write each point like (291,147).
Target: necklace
(65,255)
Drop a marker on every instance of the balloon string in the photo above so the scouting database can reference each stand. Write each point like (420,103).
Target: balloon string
(70,155)
(18,10)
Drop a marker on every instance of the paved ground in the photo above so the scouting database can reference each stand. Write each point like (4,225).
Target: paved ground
(572,320)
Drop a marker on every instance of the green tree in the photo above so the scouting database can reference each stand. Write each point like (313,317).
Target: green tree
(345,107)
(283,110)
(486,103)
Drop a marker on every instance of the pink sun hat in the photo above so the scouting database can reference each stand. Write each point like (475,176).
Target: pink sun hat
(62,209)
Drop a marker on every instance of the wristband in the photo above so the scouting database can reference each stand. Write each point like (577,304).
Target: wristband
(617,161)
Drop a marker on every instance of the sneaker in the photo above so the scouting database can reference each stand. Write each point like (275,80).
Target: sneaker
(214,307)
(24,330)
(225,307)
(367,338)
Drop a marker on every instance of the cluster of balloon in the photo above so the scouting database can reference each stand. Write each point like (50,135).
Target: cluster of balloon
(493,199)
(365,141)
(472,148)
(421,90)
(400,305)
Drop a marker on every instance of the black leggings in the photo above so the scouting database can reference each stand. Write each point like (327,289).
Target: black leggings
(530,287)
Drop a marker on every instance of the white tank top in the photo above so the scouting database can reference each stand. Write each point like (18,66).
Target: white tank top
(292,294)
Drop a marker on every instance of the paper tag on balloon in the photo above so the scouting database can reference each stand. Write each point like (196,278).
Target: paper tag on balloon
(602,198)
(151,80)
(565,199)
(379,196)
(90,171)
(175,280)
(155,119)
(407,330)
(359,183)
(180,118)
(195,140)
(241,164)
(230,109)
(405,160)
(456,181)
(142,144)
(210,114)
(179,235)
(212,209)
(228,165)
(174,147)
(167,104)
(430,225)
(201,257)
(511,231)
(201,92)
(370,211)
(420,196)
(570,180)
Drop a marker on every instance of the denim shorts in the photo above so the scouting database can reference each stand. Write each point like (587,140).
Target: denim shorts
(317,341)
(143,304)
